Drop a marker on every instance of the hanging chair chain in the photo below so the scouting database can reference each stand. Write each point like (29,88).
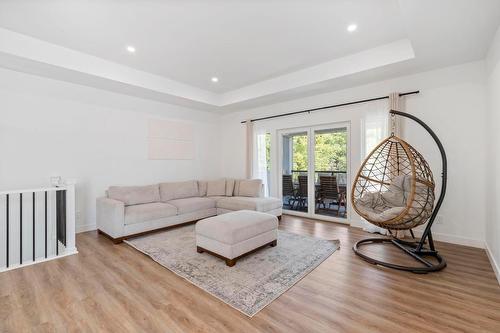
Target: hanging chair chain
(393,124)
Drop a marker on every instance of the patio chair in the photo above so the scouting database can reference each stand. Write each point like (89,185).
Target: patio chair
(328,190)
(302,192)
(289,192)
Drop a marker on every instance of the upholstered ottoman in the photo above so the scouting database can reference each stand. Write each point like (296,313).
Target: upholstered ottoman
(232,235)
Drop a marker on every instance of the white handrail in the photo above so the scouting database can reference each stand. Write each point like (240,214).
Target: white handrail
(42,189)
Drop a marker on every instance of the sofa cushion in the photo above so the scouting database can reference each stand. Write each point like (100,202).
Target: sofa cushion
(249,203)
(236,187)
(188,205)
(216,198)
(202,188)
(134,195)
(229,187)
(216,187)
(147,212)
(250,188)
(179,190)
(236,227)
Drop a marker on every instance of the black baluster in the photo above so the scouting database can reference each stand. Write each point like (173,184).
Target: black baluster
(60,218)
(33,226)
(61,227)
(57,221)
(20,228)
(45,224)
(7,219)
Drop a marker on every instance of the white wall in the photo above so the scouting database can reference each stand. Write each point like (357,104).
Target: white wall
(493,161)
(452,101)
(50,127)
(44,121)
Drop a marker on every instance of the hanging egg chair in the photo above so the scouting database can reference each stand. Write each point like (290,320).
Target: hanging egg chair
(394,190)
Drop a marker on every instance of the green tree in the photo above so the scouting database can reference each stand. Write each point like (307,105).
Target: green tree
(330,152)
(299,146)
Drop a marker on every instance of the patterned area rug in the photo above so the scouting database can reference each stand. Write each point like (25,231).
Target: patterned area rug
(254,282)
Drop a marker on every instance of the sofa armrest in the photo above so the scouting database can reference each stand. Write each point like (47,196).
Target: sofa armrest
(110,216)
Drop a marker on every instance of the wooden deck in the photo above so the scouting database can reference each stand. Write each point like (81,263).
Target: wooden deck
(115,288)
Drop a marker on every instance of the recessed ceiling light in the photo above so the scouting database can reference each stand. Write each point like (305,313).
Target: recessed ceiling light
(215,79)
(352,27)
(131,49)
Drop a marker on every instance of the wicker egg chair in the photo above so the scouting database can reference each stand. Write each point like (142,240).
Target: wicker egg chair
(394,190)
(377,198)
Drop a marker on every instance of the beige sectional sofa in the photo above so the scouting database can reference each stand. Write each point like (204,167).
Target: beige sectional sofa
(127,211)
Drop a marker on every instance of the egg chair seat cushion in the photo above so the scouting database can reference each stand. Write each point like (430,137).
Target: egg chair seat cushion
(381,216)
(385,206)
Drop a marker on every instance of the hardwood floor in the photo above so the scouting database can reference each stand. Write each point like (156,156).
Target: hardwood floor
(115,288)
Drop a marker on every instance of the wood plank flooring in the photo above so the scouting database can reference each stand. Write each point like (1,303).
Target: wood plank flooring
(114,288)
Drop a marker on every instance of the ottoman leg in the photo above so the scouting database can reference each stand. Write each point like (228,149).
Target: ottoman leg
(274,243)
(199,249)
(230,262)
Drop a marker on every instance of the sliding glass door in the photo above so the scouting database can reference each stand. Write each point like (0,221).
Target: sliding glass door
(314,171)
(330,171)
(295,165)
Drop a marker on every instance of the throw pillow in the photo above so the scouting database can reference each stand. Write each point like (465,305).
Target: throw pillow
(216,188)
(134,195)
(250,188)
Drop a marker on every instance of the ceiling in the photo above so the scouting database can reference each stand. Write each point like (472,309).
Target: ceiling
(258,49)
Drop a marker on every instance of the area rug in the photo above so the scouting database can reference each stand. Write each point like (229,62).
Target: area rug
(254,282)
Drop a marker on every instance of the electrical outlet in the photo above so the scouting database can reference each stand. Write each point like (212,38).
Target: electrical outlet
(439,219)
(78,215)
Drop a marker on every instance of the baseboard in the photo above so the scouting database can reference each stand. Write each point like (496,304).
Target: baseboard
(85,227)
(447,238)
(39,261)
(459,240)
(493,262)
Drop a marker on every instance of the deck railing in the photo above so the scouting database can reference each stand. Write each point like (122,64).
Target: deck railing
(341,175)
(36,225)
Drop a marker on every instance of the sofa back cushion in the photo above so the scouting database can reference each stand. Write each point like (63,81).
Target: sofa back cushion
(135,195)
(236,190)
(249,188)
(229,187)
(202,188)
(179,190)
(216,188)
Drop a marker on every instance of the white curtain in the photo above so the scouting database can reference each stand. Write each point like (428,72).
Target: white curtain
(374,128)
(377,124)
(260,167)
(249,148)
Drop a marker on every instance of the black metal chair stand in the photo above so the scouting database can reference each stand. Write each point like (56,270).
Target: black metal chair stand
(409,248)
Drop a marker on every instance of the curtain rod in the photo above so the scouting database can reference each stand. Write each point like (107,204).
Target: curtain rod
(330,106)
